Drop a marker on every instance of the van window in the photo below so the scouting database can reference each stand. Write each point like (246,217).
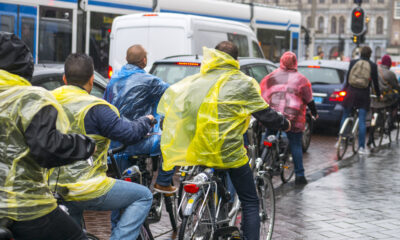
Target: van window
(171,73)
(242,43)
(7,23)
(208,39)
(256,50)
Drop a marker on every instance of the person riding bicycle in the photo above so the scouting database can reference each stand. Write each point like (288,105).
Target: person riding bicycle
(206,115)
(87,187)
(32,140)
(289,92)
(136,93)
(357,87)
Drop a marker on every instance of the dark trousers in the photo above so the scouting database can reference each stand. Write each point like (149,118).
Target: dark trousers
(243,181)
(55,225)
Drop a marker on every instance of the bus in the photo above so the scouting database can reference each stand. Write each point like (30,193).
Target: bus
(55,28)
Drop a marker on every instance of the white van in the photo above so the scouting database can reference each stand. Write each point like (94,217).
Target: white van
(168,34)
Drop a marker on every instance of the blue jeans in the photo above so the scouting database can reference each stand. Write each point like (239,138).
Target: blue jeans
(295,146)
(134,199)
(362,128)
(243,181)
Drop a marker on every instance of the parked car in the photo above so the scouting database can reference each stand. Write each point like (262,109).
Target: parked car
(327,79)
(50,76)
(176,68)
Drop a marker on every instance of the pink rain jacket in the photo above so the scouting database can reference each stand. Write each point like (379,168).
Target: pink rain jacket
(288,91)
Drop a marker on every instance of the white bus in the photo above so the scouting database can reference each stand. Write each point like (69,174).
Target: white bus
(64,26)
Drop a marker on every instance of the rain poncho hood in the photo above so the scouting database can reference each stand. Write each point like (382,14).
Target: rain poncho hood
(24,193)
(136,93)
(207,114)
(84,182)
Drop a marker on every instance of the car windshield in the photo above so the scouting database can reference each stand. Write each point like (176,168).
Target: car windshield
(172,73)
(317,75)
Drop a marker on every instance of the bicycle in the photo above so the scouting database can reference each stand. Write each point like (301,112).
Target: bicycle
(380,127)
(348,134)
(5,232)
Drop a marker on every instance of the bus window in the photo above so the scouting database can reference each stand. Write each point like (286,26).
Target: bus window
(55,36)
(100,27)
(274,43)
(28,31)
(7,23)
(242,43)
(256,50)
(295,43)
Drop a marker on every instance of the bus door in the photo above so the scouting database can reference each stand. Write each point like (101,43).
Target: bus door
(27,27)
(8,17)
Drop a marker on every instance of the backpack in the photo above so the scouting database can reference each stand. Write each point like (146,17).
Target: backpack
(360,74)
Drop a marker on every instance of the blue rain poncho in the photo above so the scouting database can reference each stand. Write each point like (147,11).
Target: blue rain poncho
(136,93)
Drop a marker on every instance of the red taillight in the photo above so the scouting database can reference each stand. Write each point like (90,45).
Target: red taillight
(150,15)
(128,179)
(110,71)
(268,144)
(191,188)
(337,96)
(314,66)
(187,64)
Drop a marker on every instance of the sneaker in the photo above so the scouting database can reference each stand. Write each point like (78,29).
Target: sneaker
(363,151)
(300,180)
(165,189)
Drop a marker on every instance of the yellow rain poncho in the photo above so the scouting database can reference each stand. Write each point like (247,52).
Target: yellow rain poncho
(24,193)
(207,114)
(84,182)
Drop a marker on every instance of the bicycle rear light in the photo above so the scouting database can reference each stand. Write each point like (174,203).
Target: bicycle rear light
(337,96)
(110,71)
(268,144)
(191,188)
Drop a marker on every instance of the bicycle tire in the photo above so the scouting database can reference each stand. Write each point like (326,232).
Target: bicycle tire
(287,168)
(397,129)
(382,131)
(171,207)
(342,147)
(145,232)
(306,139)
(266,197)
(186,230)
(355,143)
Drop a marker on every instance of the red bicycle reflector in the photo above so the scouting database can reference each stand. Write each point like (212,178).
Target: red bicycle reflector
(191,188)
(337,96)
(110,71)
(314,66)
(268,144)
(357,14)
(188,64)
(128,179)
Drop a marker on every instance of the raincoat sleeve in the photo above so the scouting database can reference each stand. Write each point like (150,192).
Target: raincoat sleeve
(52,148)
(158,88)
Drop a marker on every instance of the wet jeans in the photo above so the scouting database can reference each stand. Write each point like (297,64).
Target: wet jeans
(362,128)
(131,198)
(295,146)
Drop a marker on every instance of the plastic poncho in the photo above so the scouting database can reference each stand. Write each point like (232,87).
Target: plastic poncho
(207,114)
(84,182)
(288,91)
(24,193)
(136,93)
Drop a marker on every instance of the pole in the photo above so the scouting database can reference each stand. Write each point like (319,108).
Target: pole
(312,29)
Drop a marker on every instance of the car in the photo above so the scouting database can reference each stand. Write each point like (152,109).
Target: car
(175,68)
(50,76)
(327,78)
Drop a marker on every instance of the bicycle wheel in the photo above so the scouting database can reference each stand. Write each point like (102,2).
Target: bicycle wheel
(194,227)
(355,142)
(266,197)
(342,147)
(145,233)
(171,207)
(287,168)
(397,128)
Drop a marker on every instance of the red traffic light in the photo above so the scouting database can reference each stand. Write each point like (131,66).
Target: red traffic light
(357,14)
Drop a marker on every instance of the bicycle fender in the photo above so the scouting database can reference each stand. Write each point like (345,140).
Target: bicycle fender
(191,203)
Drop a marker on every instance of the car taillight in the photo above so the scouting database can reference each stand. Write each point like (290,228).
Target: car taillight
(337,96)
(314,66)
(191,188)
(268,144)
(188,63)
(150,15)
(110,71)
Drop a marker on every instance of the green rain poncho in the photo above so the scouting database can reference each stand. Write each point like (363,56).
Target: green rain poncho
(24,193)
(84,182)
(207,114)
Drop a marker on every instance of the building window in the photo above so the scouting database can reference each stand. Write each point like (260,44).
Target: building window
(321,1)
(379,25)
(343,1)
(397,10)
(342,24)
(310,1)
(333,25)
(308,24)
(320,25)
(334,1)
(365,1)
(381,1)
(378,53)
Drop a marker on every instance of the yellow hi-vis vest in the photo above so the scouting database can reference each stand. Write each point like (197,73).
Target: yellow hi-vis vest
(24,193)
(84,182)
(207,114)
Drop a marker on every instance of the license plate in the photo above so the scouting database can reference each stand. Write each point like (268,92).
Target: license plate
(318,100)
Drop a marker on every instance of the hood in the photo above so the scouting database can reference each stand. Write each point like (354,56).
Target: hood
(288,61)
(215,59)
(9,79)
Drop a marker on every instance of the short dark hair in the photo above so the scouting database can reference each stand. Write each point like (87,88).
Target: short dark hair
(366,52)
(78,69)
(229,48)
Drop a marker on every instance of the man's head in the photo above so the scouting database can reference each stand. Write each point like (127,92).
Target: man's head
(136,55)
(15,56)
(229,48)
(366,52)
(387,61)
(321,54)
(79,71)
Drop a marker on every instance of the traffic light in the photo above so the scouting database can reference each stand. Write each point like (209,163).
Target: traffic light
(355,39)
(357,21)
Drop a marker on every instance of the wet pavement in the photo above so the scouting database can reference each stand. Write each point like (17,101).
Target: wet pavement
(355,198)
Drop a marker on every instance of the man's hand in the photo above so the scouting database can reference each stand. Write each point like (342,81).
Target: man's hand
(290,126)
(153,121)
(315,117)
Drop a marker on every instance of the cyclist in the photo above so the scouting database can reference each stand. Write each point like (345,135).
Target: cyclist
(136,93)
(357,86)
(88,187)
(289,92)
(206,116)
(30,144)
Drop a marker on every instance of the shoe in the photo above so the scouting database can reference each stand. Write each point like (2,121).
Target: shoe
(363,151)
(165,189)
(337,144)
(300,180)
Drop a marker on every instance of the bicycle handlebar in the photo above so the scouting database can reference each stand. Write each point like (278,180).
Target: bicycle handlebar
(117,149)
